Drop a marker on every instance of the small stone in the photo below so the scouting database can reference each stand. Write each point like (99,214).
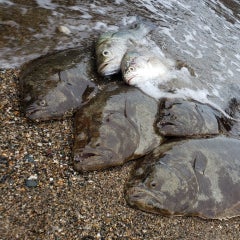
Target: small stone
(39,144)
(64,29)
(98,236)
(3,160)
(29,158)
(49,153)
(31,182)
(87,238)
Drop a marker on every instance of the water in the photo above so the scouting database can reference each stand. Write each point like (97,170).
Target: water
(204,34)
(31,27)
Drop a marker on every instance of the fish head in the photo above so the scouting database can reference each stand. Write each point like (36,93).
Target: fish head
(141,65)
(51,105)
(178,117)
(159,188)
(134,68)
(90,159)
(102,140)
(100,152)
(108,57)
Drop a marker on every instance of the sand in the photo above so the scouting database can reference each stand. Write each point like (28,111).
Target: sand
(42,197)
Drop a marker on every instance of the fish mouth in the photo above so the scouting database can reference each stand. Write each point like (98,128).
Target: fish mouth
(173,128)
(33,112)
(85,161)
(106,70)
(146,200)
(37,113)
(128,80)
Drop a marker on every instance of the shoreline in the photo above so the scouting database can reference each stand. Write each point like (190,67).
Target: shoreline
(42,197)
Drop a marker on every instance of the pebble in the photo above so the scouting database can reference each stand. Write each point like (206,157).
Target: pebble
(3,160)
(64,29)
(29,158)
(98,236)
(32,181)
(87,209)
(87,238)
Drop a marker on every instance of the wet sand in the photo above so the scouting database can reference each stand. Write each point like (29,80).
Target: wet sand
(42,197)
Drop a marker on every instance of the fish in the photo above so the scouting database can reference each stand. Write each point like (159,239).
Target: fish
(185,118)
(162,77)
(112,45)
(140,65)
(194,177)
(54,85)
(114,127)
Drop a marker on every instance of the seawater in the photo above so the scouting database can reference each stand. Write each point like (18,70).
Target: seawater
(204,34)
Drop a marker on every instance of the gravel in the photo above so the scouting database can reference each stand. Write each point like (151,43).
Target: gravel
(42,197)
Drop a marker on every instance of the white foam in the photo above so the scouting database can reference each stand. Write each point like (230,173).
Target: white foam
(46,4)
(157,88)
(128,20)
(6,2)
(188,39)
(83,10)
(119,1)
(100,26)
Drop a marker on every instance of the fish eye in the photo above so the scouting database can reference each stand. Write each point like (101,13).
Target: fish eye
(153,184)
(105,53)
(42,103)
(131,69)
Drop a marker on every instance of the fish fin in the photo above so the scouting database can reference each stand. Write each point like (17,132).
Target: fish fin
(200,162)
(233,211)
(104,37)
(132,42)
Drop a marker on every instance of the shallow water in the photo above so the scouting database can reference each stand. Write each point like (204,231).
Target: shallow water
(203,34)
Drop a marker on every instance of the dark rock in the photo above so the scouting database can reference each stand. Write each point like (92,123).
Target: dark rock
(31,182)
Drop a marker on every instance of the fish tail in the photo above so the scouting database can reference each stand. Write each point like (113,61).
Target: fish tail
(218,108)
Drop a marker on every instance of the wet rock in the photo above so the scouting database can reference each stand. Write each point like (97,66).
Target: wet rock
(32,181)
(64,29)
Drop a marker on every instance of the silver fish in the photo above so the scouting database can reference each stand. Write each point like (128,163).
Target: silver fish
(192,177)
(111,46)
(54,85)
(161,77)
(141,64)
(114,127)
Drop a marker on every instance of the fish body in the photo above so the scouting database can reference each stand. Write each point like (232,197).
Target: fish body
(54,85)
(198,177)
(161,77)
(114,127)
(181,118)
(140,65)
(111,46)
